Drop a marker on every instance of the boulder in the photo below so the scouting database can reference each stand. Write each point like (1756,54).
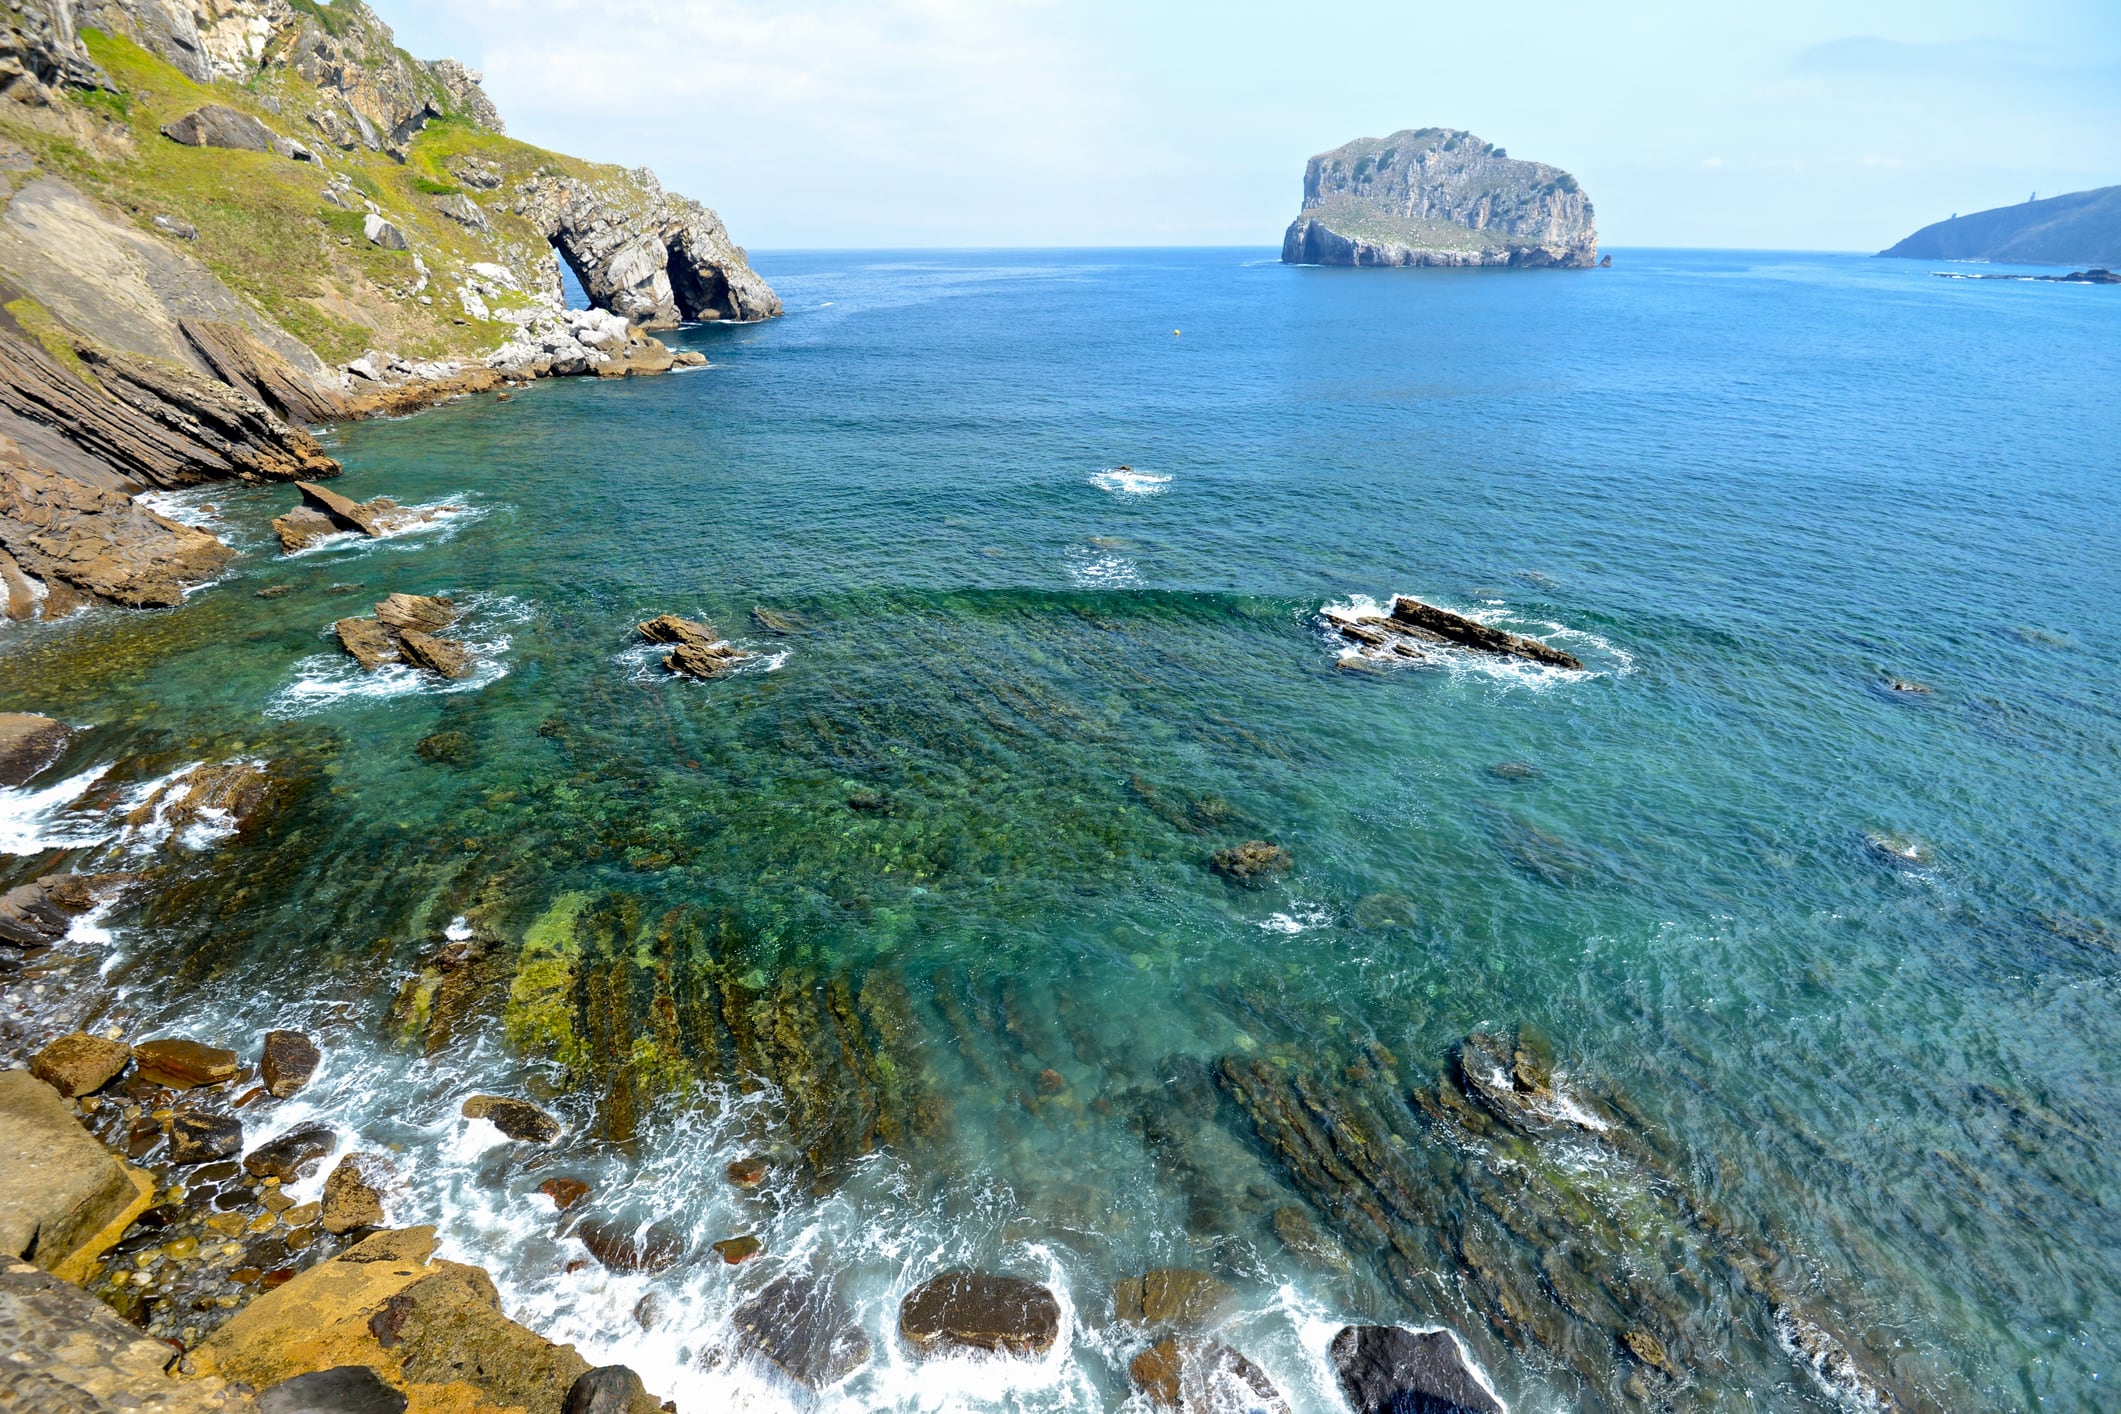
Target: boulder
(217,125)
(564,1192)
(343,510)
(353,1194)
(981,1311)
(1172,1296)
(289,1155)
(747,1172)
(669,628)
(518,1119)
(371,644)
(183,1064)
(1206,1377)
(28,743)
(343,1389)
(735,1251)
(1393,1370)
(287,1061)
(303,527)
(608,1389)
(431,1329)
(1251,863)
(59,1188)
(39,913)
(799,1323)
(446,656)
(692,661)
(196,1137)
(627,1246)
(79,1064)
(462,210)
(383,233)
(234,793)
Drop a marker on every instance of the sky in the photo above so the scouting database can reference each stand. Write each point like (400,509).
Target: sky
(1795,125)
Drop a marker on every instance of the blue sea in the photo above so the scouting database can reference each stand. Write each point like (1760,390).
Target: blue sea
(1809,980)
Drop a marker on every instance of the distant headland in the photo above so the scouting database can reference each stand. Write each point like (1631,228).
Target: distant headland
(1438,196)
(2080,228)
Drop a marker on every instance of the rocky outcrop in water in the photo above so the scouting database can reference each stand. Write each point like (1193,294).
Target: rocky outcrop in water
(696,650)
(649,255)
(1438,196)
(28,743)
(2077,228)
(1413,629)
(405,630)
(970,1310)
(57,531)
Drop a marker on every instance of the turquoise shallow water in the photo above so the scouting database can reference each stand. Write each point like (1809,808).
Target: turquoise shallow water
(1846,956)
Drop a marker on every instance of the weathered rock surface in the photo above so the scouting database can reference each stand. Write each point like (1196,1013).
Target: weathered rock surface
(1172,1296)
(428,613)
(39,913)
(68,1353)
(1390,1369)
(79,1064)
(196,1137)
(564,343)
(653,257)
(518,1119)
(183,1064)
(608,1389)
(2076,228)
(371,643)
(1208,1377)
(293,1154)
(100,542)
(432,1330)
(29,743)
(444,656)
(627,1245)
(59,1187)
(353,1194)
(696,652)
(799,1323)
(1252,863)
(1412,625)
(218,125)
(287,1061)
(982,1311)
(564,1192)
(403,630)
(1438,196)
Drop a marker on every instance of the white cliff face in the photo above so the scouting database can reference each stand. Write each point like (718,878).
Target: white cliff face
(1438,196)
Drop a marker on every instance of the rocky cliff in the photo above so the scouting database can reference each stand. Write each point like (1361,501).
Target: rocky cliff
(1438,196)
(223,219)
(2081,228)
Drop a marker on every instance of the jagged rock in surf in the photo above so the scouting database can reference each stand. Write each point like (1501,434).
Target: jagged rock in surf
(372,644)
(799,1323)
(979,1311)
(1411,626)
(292,1155)
(39,913)
(1390,1369)
(696,652)
(103,543)
(353,1194)
(28,744)
(624,1245)
(444,656)
(518,1119)
(1204,1377)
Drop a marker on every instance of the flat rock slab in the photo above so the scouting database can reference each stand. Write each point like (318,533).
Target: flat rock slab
(80,1064)
(445,656)
(800,1324)
(1172,1296)
(980,1311)
(1393,1370)
(59,1187)
(371,644)
(343,510)
(68,1353)
(428,613)
(28,743)
(183,1064)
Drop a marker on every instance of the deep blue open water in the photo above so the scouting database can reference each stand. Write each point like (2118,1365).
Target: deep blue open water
(1847,959)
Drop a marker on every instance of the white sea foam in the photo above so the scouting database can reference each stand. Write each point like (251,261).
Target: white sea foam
(643,662)
(34,819)
(1601,657)
(198,506)
(326,680)
(1126,481)
(435,521)
(1300,918)
(1091,570)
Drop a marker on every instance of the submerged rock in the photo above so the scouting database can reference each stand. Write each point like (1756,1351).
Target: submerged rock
(41,912)
(1205,1377)
(800,1324)
(626,1246)
(183,1064)
(1250,863)
(518,1119)
(28,744)
(980,1311)
(737,1250)
(776,621)
(79,1064)
(287,1062)
(1392,1370)
(564,1192)
(1172,1296)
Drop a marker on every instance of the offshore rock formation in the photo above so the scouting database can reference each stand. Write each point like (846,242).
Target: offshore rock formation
(2078,228)
(1438,196)
(654,257)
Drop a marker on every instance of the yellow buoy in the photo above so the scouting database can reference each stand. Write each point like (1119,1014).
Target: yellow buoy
(1174,333)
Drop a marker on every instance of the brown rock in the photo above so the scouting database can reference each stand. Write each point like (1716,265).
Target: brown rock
(980,1310)
(738,1250)
(343,511)
(182,1064)
(79,1064)
(288,1060)
(446,656)
(564,1192)
(799,1323)
(1253,862)
(747,1172)
(303,527)
(669,628)
(237,792)
(39,913)
(626,1246)
(518,1119)
(292,1153)
(101,542)
(426,612)
(199,1138)
(353,1194)
(1444,626)
(1204,1377)
(248,365)
(693,661)
(1172,1296)
(59,1188)
(371,643)
(29,743)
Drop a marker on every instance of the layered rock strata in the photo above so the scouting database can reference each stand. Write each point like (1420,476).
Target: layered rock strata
(1413,629)
(1438,196)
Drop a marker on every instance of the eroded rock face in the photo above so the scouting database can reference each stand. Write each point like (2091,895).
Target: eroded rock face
(39,913)
(69,1352)
(653,257)
(1438,196)
(100,542)
(981,1311)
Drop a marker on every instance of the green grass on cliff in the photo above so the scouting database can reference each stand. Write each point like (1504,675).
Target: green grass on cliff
(1360,220)
(264,225)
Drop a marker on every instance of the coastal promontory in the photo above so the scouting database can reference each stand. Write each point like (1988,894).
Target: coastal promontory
(1438,196)
(2078,228)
